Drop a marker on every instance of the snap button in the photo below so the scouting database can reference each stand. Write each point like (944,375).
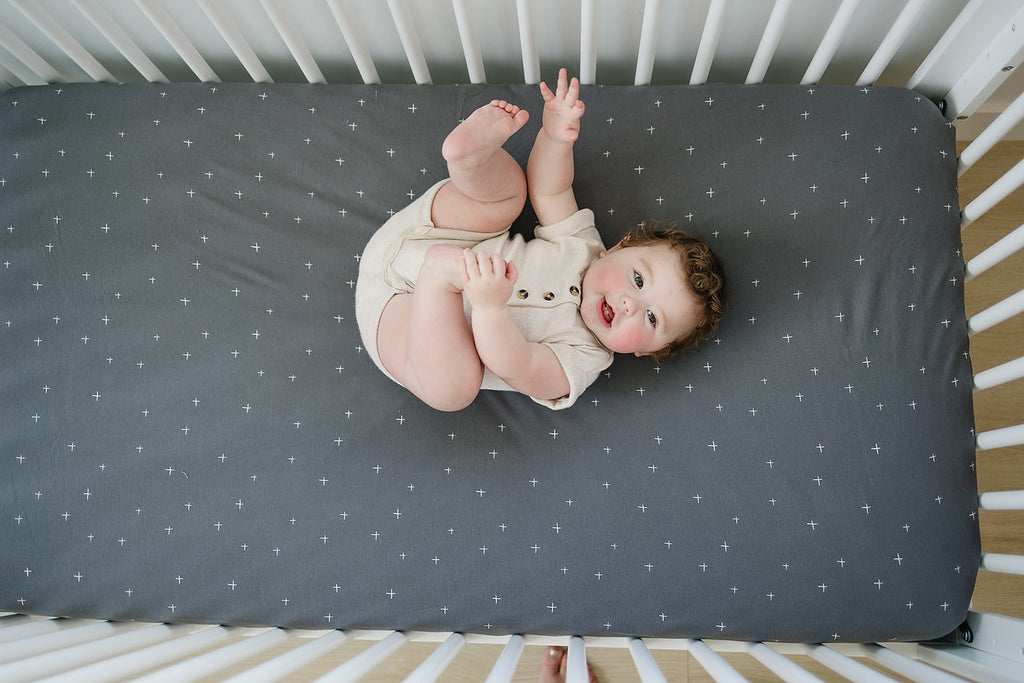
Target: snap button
(548,296)
(574,290)
(522,294)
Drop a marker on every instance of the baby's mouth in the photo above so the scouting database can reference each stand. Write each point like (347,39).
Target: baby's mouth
(606,312)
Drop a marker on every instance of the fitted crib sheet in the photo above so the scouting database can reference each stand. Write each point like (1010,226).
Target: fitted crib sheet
(193,431)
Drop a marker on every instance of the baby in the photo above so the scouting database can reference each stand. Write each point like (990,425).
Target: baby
(448,302)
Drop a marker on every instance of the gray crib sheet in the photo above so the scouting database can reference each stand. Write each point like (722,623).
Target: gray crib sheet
(192,430)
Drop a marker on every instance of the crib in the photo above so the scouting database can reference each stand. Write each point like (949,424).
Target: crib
(964,53)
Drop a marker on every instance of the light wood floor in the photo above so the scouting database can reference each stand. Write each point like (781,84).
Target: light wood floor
(1003,469)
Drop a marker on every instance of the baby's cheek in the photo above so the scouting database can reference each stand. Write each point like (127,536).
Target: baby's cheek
(631,339)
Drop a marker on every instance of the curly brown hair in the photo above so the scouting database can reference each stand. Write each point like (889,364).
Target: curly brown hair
(701,268)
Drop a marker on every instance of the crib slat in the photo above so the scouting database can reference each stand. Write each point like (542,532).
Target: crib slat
(470,45)
(1004,310)
(769,41)
(1000,374)
(993,133)
(66,635)
(712,662)
(410,41)
(92,658)
(28,628)
(434,665)
(1004,248)
(905,666)
(1004,564)
(356,44)
(1002,500)
(62,39)
(830,43)
(293,40)
(947,40)
(781,666)
(528,43)
(212,662)
(291,661)
(588,42)
(646,667)
(235,40)
(106,25)
(39,73)
(1000,438)
(163,23)
(155,655)
(898,32)
(845,666)
(576,662)
(993,194)
(708,42)
(648,43)
(365,660)
(505,667)
(997,57)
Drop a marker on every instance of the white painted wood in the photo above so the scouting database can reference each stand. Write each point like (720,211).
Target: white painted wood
(780,665)
(365,661)
(62,39)
(291,661)
(830,43)
(898,33)
(434,665)
(1000,374)
(646,667)
(222,21)
(905,666)
(713,663)
(173,34)
(993,194)
(1005,564)
(528,43)
(1000,54)
(1002,500)
(505,667)
(106,25)
(576,662)
(1001,438)
(927,69)
(210,663)
(93,660)
(354,40)
(410,40)
(769,41)
(588,42)
(845,666)
(293,40)
(1000,312)
(993,133)
(470,44)
(708,42)
(31,69)
(648,42)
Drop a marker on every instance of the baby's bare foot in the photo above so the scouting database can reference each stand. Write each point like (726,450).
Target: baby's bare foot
(486,130)
(443,266)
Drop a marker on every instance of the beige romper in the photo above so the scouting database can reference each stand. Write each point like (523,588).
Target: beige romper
(545,302)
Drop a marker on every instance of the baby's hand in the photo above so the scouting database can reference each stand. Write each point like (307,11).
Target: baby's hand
(562,108)
(487,280)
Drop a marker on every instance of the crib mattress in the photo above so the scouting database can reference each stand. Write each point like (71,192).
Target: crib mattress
(194,432)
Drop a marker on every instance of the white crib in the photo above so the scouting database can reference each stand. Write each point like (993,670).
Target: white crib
(963,52)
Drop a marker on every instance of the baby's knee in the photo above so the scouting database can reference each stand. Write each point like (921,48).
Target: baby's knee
(452,397)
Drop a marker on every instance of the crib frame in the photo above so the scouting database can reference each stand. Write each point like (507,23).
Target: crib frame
(975,46)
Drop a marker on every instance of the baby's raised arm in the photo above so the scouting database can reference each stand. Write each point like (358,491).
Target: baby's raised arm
(550,170)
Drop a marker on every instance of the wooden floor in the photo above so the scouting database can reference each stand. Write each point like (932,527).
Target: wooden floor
(1003,469)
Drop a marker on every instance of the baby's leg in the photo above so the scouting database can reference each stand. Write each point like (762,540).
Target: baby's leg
(424,339)
(488,188)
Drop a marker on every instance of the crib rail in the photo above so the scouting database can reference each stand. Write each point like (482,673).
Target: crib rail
(66,650)
(959,51)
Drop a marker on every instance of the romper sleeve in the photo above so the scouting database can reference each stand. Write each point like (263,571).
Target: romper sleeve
(582,364)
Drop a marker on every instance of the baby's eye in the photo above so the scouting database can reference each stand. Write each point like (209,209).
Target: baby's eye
(652,319)
(638,280)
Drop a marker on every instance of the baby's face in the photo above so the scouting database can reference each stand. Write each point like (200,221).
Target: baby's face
(635,299)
